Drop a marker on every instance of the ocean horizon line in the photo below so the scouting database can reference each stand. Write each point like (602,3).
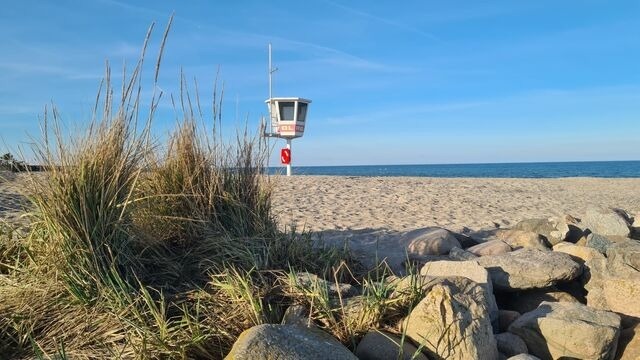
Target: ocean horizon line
(598,169)
(474,163)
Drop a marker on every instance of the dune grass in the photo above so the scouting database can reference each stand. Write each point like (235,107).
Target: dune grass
(138,249)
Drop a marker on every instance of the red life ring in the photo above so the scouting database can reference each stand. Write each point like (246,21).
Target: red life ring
(285,156)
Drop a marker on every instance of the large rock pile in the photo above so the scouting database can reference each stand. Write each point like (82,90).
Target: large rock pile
(556,288)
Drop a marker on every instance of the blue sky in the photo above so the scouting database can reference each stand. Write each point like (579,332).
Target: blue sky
(391,82)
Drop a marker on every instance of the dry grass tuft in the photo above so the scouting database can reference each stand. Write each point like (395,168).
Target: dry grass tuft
(136,252)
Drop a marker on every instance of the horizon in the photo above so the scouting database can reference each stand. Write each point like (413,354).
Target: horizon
(469,83)
(486,163)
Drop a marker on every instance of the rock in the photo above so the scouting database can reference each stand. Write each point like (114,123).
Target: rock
(524,357)
(529,300)
(411,284)
(510,344)
(452,325)
(309,280)
(380,345)
(287,342)
(568,330)
(606,222)
(529,268)
(519,239)
(470,270)
(296,315)
(575,288)
(461,255)
(614,283)
(582,241)
(506,317)
(625,254)
(371,247)
(635,226)
(465,240)
(579,253)
(629,344)
(598,242)
(553,229)
(354,311)
(483,235)
(577,230)
(613,289)
(430,241)
(423,284)
(493,247)
(416,262)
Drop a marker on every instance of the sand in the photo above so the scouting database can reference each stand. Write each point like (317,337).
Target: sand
(352,204)
(330,203)
(12,199)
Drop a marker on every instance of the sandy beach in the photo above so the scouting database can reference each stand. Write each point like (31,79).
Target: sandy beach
(12,198)
(329,203)
(322,203)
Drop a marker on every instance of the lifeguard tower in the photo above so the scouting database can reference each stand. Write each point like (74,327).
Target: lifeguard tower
(287,118)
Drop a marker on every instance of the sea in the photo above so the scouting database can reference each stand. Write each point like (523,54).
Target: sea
(534,170)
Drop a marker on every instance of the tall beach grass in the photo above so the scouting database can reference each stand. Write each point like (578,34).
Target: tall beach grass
(142,250)
(139,249)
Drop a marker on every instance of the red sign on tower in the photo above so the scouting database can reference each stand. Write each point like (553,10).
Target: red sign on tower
(285,156)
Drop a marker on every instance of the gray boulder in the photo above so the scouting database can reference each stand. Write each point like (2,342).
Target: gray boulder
(635,226)
(519,239)
(411,284)
(606,222)
(579,253)
(309,280)
(510,344)
(614,289)
(287,342)
(370,247)
(553,229)
(598,242)
(297,315)
(461,255)
(470,270)
(506,318)
(381,345)
(464,239)
(629,344)
(422,283)
(354,311)
(415,262)
(430,241)
(569,330)
(452,325)
(625,254)
(614,283)
(528,300)
(529,268)
(482,235)
(493,247)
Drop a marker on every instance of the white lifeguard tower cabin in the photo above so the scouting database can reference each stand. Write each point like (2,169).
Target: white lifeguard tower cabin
(288,116)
